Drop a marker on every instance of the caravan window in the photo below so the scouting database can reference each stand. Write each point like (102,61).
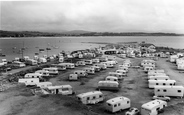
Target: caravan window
(32,76)
(115,105)
(171,84)
(164,90)
(65,89)
(128,102)
(100,96)
(163,83)
(109,104)
(158,109)
(156,83)
(94,97)
(158,90)
(118,104)
(87,98)
(179,91)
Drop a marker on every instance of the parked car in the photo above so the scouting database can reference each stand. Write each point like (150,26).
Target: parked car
(164,98)
(133,111)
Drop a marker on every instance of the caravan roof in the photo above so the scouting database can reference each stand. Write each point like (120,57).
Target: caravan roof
(174,87)
(59,87)
(152,104)
(116,99)
(89,94)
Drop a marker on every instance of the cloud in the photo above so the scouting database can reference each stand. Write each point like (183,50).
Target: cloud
(94,15)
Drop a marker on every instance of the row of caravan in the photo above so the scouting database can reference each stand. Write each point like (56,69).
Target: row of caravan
(148,65)
(96,66)
(163,85)
(121,103)
(112,81)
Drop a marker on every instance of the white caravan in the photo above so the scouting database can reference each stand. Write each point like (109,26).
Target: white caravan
(117,104)
(80,63)
(81,73)
(88,62)
(31,62)
(96,68)
(123,68)
(18,64)
(29,81)
(153,72)
(102,66)
(43,72)
(108,85)
(153,107)
(74,77)
(152,83)
(95,60)
(42,60)
(108,64)
(33,75)
(180,67)
(44,84)
(52,70)
(157,74)
(176,91)
(118,75)
(60,89)
(148,68)
(92,97)
(160,77)
(68,65)
(123,72)
(60,67)
(111,78)
(89,70)
(173,58)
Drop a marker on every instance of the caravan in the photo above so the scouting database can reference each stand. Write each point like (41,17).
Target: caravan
(89,70)
(153,72)
(108,85)
(18,64)
(81,73)
(95,60)
(44,84)
(96,68)
(43,72)
(29,81)
(111,78)
(108,64)
(153,107)
(160,77)
(52,70)
(148,68)
(177,91)
(117,104)
(102,66)
(153,83)
(60,89)
(31,62)
(68,65)
(123,72)
(59,66)
(89,62)
(91,97)
(80,63)
(73,77)
(115,74)
(33,75)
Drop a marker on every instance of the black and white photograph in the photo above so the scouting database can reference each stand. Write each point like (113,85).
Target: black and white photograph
(91,57)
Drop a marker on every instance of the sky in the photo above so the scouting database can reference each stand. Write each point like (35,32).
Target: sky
(93,15)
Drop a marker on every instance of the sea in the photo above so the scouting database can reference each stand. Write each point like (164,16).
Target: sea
(10,47)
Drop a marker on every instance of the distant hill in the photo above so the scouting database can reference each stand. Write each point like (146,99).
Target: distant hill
(78,33)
